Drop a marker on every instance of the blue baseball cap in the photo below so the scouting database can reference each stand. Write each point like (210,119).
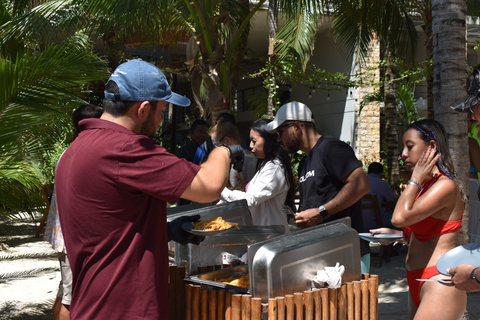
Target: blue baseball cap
(139,80)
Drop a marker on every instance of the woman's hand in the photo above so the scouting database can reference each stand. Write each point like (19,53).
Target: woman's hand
(423,168)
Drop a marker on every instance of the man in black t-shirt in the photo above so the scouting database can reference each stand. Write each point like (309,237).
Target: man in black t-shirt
(331,179)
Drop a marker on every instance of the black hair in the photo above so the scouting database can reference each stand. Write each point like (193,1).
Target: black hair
(83,112)
(429,130)
(116,108)
(375,167)
(272,150)
(197,123)
(226,117)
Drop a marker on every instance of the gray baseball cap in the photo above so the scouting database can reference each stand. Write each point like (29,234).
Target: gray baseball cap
(294,110)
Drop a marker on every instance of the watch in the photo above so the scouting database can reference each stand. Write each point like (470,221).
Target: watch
(472,276)
(323,212)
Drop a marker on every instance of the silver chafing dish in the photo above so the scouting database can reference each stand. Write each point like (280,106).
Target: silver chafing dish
(284,264)
(235,241)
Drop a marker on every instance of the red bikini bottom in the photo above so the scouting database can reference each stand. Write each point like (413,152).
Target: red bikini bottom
(415,285)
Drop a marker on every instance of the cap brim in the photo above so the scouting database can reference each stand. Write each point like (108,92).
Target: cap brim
(465,103)
(272,126)
(178,100)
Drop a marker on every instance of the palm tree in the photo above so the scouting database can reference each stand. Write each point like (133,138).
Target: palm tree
(39,90)
(449,65)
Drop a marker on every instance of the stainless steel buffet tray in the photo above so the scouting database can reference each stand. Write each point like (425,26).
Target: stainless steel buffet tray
(208,279)
(285,264)
(235,241)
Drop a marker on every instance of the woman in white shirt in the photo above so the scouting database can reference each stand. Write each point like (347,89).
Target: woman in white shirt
(272,186)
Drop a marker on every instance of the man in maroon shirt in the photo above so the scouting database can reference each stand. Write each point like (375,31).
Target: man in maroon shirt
(113,183)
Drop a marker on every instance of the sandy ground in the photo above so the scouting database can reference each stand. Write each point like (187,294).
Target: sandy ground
(29,278)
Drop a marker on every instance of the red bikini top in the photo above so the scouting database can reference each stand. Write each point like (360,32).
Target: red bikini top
(430,227)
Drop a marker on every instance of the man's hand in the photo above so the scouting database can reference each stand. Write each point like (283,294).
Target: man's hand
(461,278)
(236,155)
(308,218)
(177,234)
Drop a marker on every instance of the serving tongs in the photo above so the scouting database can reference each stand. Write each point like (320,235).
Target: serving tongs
(445,282)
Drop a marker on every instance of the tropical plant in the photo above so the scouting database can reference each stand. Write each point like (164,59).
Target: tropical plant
(41,84)
(358,24)
(406,105)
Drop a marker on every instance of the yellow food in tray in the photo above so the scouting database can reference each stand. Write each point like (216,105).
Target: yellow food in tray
(243,281)
(213,224)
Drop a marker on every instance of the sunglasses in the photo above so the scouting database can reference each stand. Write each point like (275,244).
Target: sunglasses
(280,129)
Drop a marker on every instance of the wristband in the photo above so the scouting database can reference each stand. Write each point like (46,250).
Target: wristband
(415,183)
(472,276)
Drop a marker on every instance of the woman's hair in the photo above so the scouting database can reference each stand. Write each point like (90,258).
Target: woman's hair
(429,130)
(272,150)
(224,129)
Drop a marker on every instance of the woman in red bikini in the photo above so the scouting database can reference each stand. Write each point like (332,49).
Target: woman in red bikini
(430,211)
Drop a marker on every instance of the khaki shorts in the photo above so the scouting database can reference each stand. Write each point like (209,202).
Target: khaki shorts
(65,286)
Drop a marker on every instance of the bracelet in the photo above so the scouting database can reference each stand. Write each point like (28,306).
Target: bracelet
(472,276)
(415,183)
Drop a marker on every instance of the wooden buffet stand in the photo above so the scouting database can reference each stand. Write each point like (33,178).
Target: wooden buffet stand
(357,300)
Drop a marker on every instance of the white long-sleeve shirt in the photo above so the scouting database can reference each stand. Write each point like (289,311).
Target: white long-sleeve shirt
(265,195)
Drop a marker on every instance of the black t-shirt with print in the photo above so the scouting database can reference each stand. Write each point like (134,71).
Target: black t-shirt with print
(320,178)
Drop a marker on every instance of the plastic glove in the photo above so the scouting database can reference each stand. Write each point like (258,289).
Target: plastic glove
(236,156)
(177,234)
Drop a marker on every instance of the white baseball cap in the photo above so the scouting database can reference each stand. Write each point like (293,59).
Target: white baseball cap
(294,110)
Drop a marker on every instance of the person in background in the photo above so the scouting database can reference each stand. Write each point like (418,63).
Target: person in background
(226,117)
(271,188)
(225,132)
(199,134)
(194,150)
(53,230)
(385,196)
(430,211)
(331,179)
(113,183)
(465,277)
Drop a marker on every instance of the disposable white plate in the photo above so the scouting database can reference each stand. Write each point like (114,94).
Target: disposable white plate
(464,254)
(381,237)
(187,226)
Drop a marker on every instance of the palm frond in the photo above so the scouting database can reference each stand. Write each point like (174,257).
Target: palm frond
(406,104)
(352,28)
(357,23)
(20,185)
(37,86)
(295,39)
(43,23)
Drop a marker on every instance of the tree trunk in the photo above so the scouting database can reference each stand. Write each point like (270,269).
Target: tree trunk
(427,30)
(391,127)
(236,69)
(272,30)
(449,83)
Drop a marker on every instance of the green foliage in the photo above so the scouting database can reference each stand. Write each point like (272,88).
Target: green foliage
(39,89)
(296,159)
(406,104)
